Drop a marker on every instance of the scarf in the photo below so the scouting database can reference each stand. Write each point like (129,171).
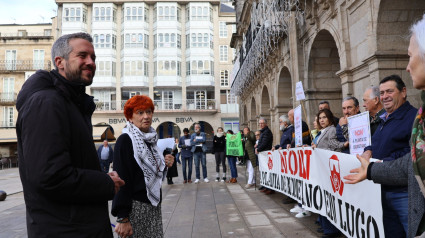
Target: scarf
(149,159)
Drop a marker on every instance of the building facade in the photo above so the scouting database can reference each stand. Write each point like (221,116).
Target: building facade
(176,52)
(335,48)
(24,49)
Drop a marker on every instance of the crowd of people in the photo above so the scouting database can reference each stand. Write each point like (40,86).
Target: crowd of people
(67,183)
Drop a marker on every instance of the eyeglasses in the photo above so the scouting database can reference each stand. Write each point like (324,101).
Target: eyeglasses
(257,134)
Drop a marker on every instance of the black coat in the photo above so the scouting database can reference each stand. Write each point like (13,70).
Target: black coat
(219,144)
(266,140)
(66,194)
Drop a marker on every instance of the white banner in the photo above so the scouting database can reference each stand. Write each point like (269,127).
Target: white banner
(299,91)
(298,126)
(314,179)
(359,129)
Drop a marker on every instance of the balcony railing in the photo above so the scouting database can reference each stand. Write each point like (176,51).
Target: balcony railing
(201,104)
(170,104)
(164,105)
(24,65)
(8,97)
(26,34)
(106,106)
(7,124)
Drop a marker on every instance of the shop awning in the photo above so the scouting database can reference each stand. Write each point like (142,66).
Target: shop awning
(101,133)
(8,135)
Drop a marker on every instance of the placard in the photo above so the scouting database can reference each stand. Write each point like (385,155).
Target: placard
(298,126)
(299,91)
(359,132)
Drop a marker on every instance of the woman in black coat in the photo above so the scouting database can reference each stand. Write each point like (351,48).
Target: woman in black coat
(143,168)
(219,148)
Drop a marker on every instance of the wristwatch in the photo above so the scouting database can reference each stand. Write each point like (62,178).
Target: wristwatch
(122,220)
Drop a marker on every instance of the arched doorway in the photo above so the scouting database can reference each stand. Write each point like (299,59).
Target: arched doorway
(245,115)
(168,129)
(253,118)
(284,90)
(393,22)
(209,133)
(323,83)
(265,106)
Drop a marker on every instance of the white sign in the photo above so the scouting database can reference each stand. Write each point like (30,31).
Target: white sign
(359,132)
(298,126)
(299,91)
(314,179)
(165,143)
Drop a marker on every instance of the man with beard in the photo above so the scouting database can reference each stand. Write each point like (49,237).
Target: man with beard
(66,193)
(350,107)
(199,150)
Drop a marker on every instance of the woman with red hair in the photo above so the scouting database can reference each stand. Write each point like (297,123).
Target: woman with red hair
(142,166)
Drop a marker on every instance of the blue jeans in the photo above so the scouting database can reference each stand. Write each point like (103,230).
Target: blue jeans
(104,165)
(189,161)
(178,158)
(395,213)
(232,165)
(200,157)
(327,226)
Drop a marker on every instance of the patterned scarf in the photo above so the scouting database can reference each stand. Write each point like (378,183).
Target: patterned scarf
(149,159)
(418,145)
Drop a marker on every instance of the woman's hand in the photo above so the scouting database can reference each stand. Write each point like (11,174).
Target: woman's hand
(169,160)
(359,174)
(124,229)
(314,146)
(346,144)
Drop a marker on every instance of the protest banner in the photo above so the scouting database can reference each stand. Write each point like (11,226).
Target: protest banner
(234,144)
(314,179)
(299,91)
(298,126)
(359,132)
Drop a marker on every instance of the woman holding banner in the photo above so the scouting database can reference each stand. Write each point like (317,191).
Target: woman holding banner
(231,158)
(409,169)
(326,139)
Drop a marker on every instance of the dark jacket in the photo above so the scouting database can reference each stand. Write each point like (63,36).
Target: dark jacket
(341,138)
(110,156)
(400,172)
(286,137)
(392,138)
(249,148)
(186,151)
(219,144)
(374,122)
(266,140)
(129,171)
(66,194)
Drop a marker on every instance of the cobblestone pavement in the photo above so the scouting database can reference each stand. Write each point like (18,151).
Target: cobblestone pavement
(204,210)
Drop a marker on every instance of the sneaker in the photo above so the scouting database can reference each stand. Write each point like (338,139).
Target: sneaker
(217,179)
(248,186)
(302,214)
(206,180)
(197,181)
(223,179)
(297,209)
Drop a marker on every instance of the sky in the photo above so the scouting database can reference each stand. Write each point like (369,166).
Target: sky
(27,11)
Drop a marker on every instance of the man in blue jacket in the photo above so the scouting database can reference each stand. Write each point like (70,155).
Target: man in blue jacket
(391,141)
(199,150)
(106,156)
(186,155)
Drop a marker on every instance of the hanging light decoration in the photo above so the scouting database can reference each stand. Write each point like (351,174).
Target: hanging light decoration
(269,24)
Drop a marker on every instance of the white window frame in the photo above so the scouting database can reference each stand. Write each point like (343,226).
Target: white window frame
(224,53)
(222,29)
